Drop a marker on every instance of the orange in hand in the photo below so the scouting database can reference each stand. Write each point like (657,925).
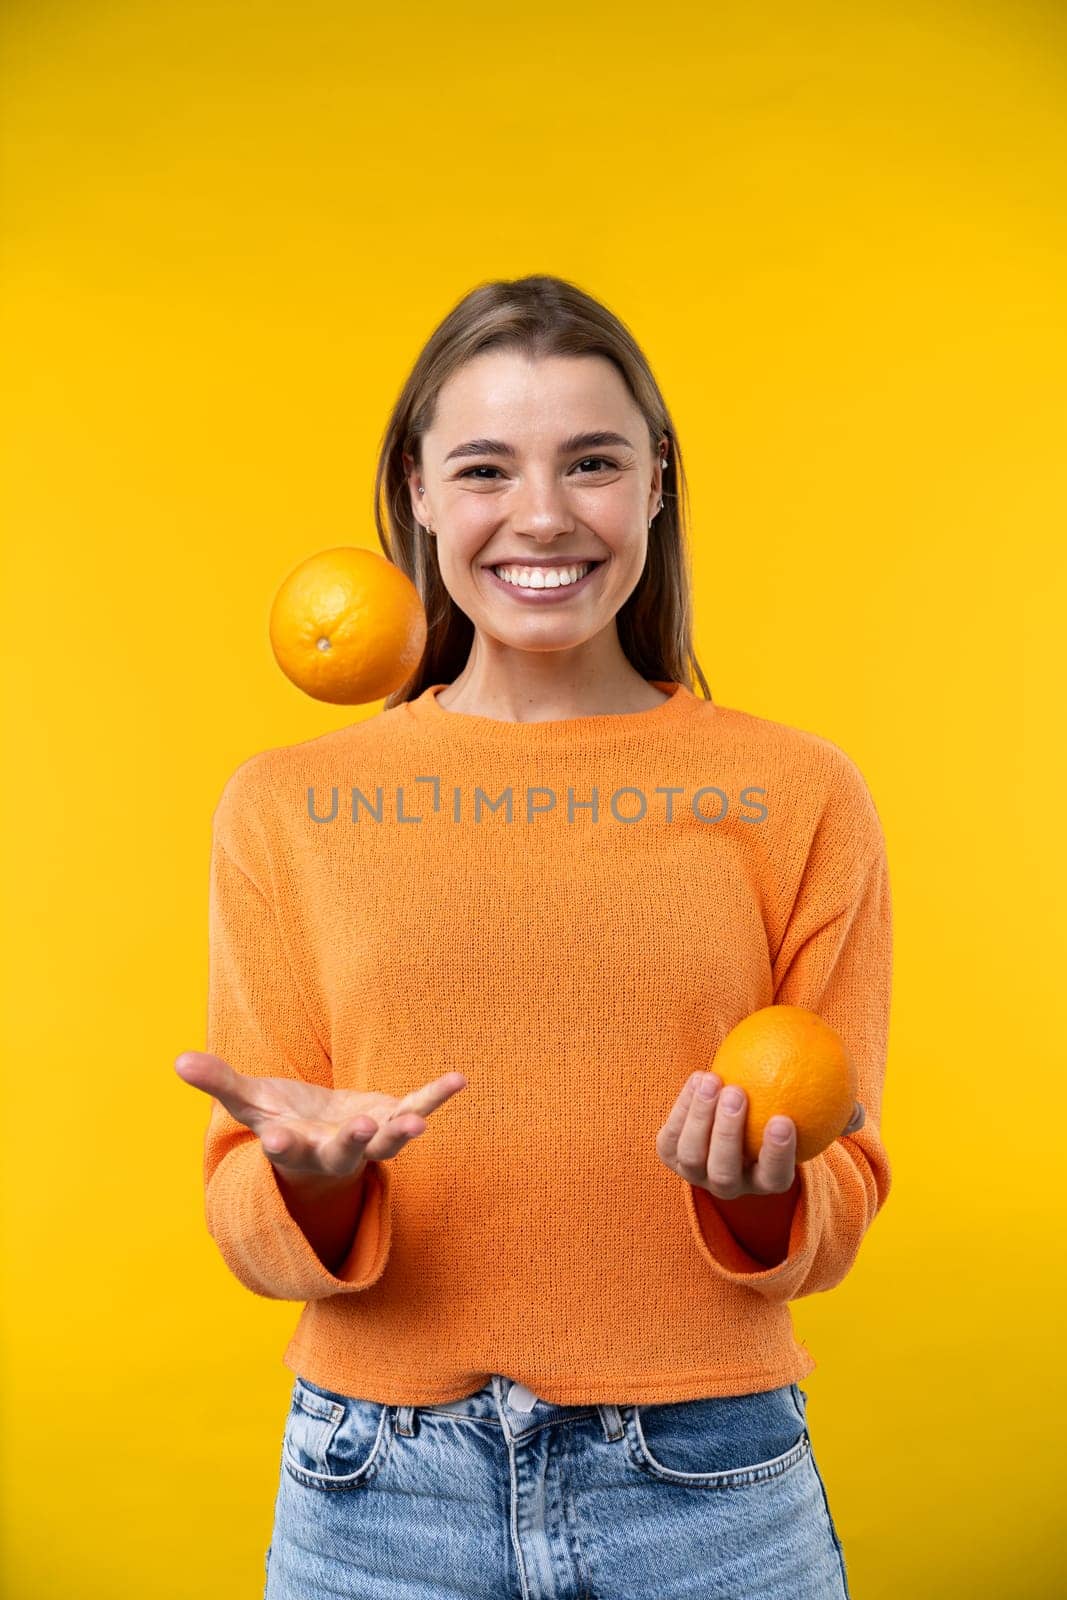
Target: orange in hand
(347,626)
(790,1062)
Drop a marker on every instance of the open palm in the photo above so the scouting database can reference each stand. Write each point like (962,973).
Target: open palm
(306,1128)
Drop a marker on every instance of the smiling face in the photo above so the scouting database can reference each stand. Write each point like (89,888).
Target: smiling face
(538,465)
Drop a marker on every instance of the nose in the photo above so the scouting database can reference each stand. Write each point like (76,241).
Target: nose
(540,510)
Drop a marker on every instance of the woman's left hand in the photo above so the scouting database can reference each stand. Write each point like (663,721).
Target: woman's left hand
(703,1142)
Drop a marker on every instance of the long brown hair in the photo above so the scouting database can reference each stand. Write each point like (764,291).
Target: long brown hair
(539,316)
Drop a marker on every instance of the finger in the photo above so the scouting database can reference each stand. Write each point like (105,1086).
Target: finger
(725,1163)
(363,1137)
(217,1078)
(667,1138)
(856,1121)
(297,1147)
(430,1095)
(699,1118)
(390,1137)
(775,1169)
(201,1069)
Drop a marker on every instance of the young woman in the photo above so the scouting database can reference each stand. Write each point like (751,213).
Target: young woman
(457,1022)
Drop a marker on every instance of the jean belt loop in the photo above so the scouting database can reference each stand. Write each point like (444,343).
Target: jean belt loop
(405,1421)
(611,1422)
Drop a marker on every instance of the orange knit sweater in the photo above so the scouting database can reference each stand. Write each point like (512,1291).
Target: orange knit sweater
(573,913)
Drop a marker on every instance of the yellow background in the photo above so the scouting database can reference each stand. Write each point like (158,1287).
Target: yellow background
(839,232)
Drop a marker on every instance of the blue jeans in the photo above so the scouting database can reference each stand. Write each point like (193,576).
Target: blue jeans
(502,1496)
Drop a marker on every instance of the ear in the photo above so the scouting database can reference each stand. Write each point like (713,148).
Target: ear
(658,477)
(414,477)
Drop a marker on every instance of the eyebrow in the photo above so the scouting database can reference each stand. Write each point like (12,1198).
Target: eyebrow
(577,441)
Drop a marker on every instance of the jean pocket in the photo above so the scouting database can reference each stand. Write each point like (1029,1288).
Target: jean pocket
(725,1442)
(334,1441)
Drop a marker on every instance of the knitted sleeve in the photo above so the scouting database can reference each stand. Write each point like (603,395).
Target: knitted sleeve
(257,1020)
(835,959)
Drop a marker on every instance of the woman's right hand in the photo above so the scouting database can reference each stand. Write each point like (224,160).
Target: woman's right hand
(309,1131)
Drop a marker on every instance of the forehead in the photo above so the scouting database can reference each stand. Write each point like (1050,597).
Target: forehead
(502,390)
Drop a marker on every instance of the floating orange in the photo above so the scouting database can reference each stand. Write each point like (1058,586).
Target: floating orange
(347,626)
(790,1063)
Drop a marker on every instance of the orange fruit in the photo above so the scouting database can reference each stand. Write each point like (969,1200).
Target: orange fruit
(790,1063)
(347,626)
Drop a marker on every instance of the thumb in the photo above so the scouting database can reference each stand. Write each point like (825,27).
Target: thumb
(205,1071)
(856,1121)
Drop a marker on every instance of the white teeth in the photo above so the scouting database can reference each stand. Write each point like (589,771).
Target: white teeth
(543,577)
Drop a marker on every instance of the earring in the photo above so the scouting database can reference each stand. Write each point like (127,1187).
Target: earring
(659,508)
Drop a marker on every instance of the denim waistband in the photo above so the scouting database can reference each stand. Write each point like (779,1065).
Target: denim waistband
(492,1403)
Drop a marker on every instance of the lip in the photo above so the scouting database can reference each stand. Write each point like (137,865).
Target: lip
(540,597)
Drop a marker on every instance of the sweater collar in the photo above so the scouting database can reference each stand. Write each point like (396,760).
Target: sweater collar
(612,727)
